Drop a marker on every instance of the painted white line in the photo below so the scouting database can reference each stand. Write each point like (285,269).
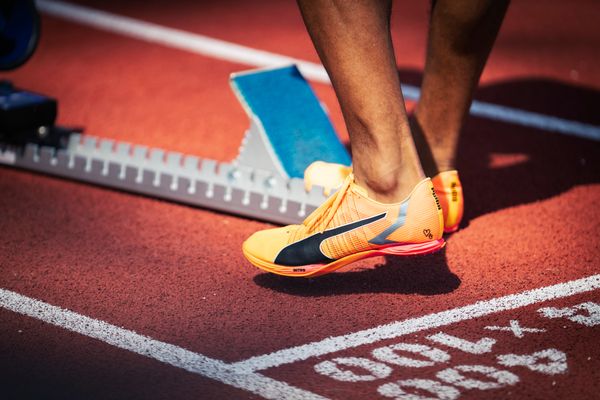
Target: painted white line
(232,52)
(146,346)
(412,325)
(515,328)
(534,120)
(176,38)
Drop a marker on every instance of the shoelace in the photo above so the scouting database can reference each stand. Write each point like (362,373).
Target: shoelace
(322,216)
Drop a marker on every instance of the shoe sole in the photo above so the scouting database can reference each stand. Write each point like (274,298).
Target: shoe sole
(313,270)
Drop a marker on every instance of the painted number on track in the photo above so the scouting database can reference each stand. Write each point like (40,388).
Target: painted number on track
(450,380)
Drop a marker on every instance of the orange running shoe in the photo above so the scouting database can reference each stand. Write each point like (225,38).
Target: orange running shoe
(449,191)
(348,227)
(447,187)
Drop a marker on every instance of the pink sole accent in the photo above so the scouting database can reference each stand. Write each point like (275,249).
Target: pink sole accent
(414,249)
(451,229)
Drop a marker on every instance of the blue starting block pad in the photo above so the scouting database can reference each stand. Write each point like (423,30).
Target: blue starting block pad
(289,128)
(288,131)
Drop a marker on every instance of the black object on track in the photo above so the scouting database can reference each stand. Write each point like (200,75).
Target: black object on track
(19,32)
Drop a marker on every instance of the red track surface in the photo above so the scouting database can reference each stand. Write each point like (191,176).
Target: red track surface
(177,274)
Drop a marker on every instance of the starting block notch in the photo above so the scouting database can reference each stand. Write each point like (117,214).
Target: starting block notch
(288,131)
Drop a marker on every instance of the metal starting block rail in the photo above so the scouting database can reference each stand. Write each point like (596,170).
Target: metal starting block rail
(288,131)
(171,176)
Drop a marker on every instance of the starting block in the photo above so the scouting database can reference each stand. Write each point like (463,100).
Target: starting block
(289,129)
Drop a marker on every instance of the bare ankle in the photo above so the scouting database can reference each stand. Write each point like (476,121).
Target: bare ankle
(379,187)
(389,186)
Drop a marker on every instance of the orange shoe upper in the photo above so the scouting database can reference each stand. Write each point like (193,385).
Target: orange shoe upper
(449,191)
(447,187)
(350,222)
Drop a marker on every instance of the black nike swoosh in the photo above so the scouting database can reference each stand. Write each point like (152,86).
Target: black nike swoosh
(308,250)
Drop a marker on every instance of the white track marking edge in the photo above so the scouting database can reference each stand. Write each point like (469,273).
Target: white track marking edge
(232,52)
(164,352)
(412,325)
(243,374)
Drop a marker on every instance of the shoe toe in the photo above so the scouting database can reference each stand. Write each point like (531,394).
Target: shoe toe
(266,244)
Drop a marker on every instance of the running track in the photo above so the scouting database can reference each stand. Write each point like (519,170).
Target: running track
(111,295)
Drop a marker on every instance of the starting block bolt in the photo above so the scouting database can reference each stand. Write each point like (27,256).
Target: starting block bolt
(42,132)
(234,175)
(270,182)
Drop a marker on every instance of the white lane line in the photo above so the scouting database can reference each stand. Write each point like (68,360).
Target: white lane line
(176,38)
(232,52)
(534,120)
(412,325)
(164,352)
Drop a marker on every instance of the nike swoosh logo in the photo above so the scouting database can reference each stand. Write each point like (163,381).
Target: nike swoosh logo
(308,250)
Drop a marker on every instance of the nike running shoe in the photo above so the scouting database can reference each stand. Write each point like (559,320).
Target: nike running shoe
(447,187)
(348,227)
(449,191)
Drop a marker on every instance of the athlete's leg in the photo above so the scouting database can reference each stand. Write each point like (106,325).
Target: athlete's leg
(461,35)
(354,43)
